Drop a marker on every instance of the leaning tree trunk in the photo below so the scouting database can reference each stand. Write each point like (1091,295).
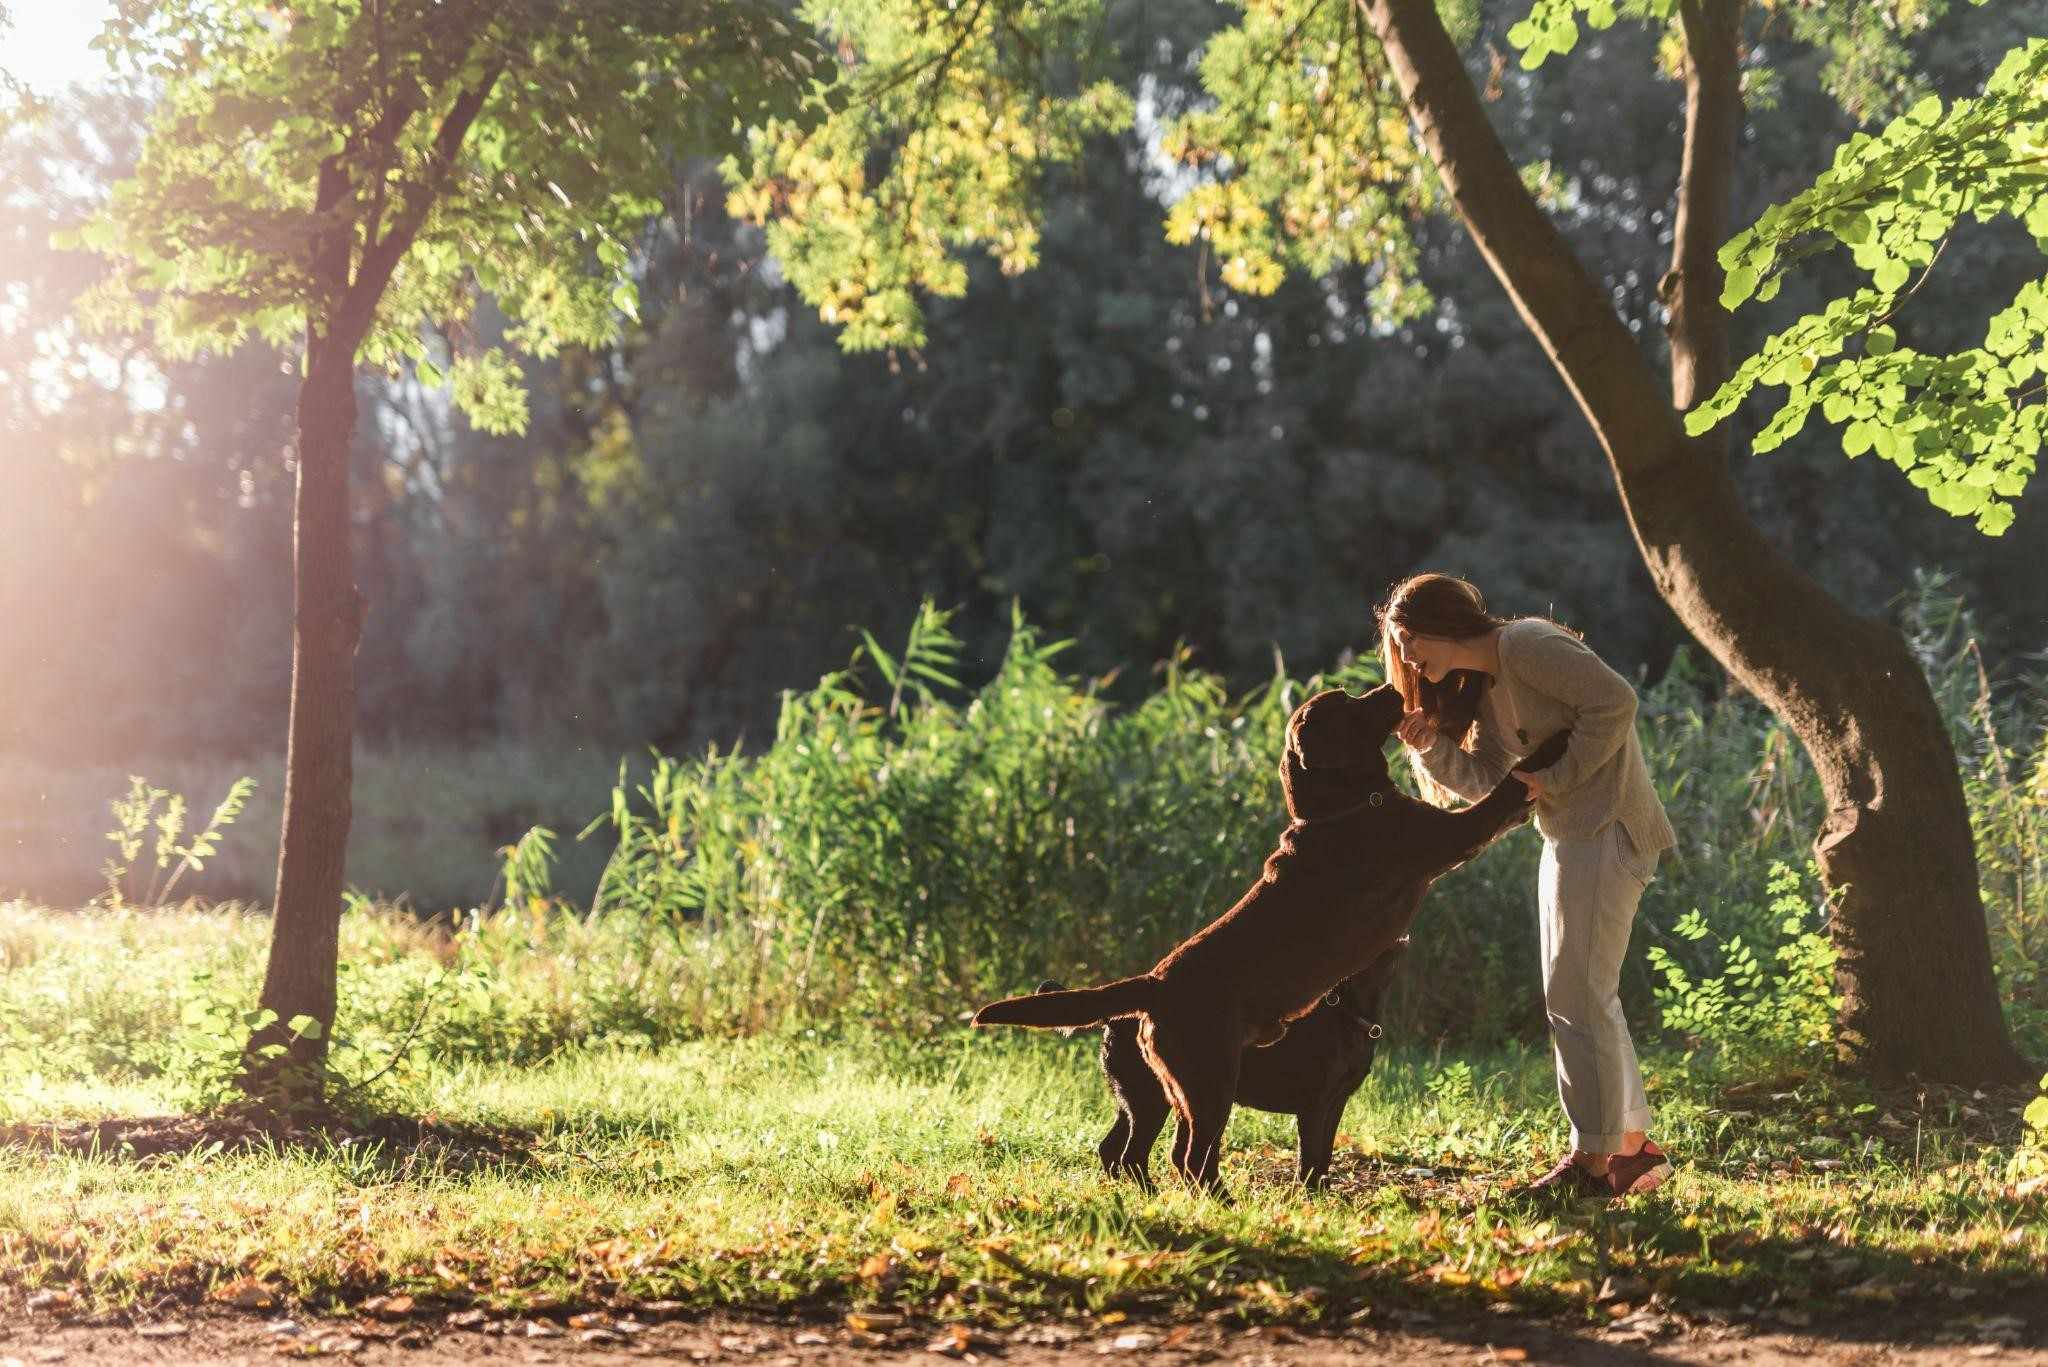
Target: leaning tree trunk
(327,609)
(1918,994)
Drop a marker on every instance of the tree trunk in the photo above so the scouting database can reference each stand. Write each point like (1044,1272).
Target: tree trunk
(327,612)
(349,279)
(1919,997)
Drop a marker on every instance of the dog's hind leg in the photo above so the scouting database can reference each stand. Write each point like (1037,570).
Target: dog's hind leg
(1198,1065)
(1126,1151)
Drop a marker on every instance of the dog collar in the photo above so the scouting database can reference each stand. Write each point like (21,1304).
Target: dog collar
(1376,798)
(1335,1001)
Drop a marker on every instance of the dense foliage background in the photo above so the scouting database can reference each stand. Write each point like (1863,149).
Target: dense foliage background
(702,518)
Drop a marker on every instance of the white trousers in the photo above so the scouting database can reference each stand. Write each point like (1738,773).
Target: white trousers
(1586,895)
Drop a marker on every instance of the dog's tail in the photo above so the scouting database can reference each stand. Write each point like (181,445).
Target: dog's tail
(1078,1007)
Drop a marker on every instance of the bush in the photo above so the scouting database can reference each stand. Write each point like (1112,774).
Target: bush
(1774,997)
(905,849)
(908,857)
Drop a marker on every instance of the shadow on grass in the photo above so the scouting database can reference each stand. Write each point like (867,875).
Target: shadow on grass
(1648,1277)
(391,1144)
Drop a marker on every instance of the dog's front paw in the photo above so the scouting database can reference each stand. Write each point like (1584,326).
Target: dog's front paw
(1546,754)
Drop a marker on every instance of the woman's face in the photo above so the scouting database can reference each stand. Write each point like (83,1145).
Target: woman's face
(1428,656)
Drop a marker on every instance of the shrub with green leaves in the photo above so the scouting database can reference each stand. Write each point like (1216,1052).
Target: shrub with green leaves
(148,808)
(2033,1153)
(905,848)
(1772,998)
(912,854)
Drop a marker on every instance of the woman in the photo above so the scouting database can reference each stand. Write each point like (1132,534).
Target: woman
(1481,692)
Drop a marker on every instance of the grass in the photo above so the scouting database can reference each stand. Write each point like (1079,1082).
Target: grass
(949,1173)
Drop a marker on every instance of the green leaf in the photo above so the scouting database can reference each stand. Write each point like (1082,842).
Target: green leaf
(1856,439)
(1880,341)
(1890,274)
(1741,283)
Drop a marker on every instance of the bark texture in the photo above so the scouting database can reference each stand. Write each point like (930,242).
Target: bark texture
(1919,996)
(319,749)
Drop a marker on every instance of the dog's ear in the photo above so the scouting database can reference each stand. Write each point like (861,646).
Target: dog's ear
(1301,730)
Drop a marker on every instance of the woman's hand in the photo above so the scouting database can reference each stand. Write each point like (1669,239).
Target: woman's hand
(1534,783)
(1417,729)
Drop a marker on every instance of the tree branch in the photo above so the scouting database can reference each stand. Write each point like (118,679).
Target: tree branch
(1566,310)
(1697,324)
(381,255)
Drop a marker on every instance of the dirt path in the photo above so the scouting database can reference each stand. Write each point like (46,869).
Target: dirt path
(1646,1338)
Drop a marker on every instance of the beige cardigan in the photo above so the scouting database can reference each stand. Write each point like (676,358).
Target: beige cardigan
(1550,680)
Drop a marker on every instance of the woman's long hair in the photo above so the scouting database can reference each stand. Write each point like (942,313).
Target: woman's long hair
(1448,608)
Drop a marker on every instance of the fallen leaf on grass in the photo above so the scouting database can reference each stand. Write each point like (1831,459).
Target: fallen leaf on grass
(882,1270)
(466,1319)
(873,1321)
(388,1307)
(50,1302)
(1507,1354)
(1136,1341)
(246,1293)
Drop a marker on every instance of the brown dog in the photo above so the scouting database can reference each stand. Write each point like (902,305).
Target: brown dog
(1344,884)
(1310,1074)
